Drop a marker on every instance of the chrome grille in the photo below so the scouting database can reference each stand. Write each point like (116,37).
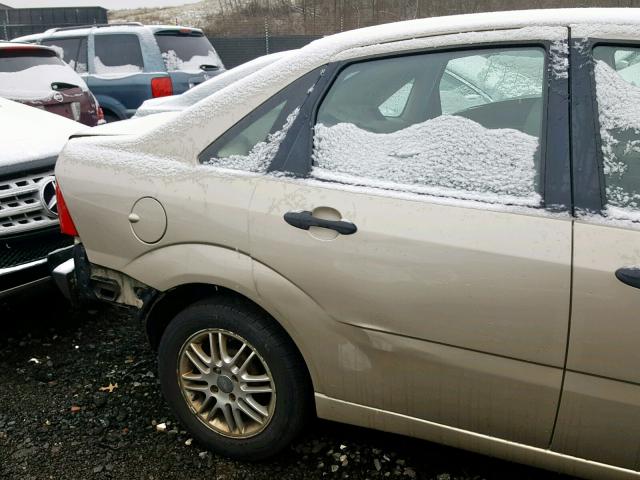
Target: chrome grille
(20,207)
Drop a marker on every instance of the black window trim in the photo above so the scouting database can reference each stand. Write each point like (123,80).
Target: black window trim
(554,141)
(588,157)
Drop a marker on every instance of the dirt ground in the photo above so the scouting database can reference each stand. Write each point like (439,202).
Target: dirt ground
(59,419)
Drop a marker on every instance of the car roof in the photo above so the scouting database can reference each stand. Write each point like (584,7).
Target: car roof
(85,30)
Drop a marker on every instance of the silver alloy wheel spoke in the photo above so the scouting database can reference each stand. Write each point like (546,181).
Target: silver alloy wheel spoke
(249,412)
(256,406)
(226,383)
(197,363)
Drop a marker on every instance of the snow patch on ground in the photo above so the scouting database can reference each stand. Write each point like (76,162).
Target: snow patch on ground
(444,156)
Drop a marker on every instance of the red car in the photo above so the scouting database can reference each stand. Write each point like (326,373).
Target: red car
(35,75)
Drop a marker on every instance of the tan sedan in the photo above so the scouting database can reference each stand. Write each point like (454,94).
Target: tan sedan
(429,228)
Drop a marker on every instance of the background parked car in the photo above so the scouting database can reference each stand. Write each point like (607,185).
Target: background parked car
(29,229)
(36,76)
(126,64)
(191,97)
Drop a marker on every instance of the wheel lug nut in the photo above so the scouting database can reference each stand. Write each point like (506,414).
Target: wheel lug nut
(232,397)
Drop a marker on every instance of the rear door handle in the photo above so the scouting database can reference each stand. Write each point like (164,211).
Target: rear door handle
(306,220)
(629,276)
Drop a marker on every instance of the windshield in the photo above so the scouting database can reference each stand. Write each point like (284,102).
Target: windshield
(29,74)
(190,52)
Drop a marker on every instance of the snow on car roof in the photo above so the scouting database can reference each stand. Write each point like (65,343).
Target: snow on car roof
(34,133)
(193,129)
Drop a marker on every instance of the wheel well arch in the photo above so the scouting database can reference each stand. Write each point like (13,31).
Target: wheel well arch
(167,305)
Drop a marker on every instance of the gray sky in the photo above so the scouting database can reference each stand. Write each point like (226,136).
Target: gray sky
(93,3)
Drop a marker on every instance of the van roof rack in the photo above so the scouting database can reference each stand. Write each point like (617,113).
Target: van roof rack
(96,25)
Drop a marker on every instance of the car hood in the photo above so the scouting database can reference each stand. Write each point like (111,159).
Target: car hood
(31,133)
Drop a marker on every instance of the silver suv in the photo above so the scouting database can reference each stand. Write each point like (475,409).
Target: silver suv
(430,228)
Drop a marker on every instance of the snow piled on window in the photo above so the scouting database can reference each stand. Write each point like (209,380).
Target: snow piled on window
(445,156)
(174,63)
(619,115)
(102,69)
(261,154)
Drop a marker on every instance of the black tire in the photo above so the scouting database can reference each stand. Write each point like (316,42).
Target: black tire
(293,403)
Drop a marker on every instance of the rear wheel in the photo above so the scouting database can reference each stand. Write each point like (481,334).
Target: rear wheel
(234,378)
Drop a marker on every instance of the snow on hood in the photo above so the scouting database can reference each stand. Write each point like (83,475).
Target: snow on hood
(34,83)
(28,133)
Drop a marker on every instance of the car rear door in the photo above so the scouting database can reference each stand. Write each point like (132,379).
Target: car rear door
(437,245)
(599,417)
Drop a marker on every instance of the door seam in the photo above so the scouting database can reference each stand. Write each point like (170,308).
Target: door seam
(572,209)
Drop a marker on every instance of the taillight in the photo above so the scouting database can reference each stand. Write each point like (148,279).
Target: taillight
(66,222)
(161,87)
(100,116)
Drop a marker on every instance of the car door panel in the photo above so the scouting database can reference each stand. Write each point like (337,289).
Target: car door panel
(466,302)
(439,294)
(461,276)
(599,414)
(605,330)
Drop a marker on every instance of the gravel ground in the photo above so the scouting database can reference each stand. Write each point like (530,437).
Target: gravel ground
(58,421)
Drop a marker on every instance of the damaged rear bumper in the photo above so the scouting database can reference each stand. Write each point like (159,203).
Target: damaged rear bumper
(82,282)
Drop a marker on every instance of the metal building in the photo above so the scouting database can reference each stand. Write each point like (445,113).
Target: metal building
(15,22)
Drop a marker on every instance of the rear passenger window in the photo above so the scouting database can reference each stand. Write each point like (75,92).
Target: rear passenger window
(118,54)
(254,141)
(71,50)
(454,124)
(617,74)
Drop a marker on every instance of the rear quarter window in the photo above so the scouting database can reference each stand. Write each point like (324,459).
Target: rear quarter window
(118,54)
